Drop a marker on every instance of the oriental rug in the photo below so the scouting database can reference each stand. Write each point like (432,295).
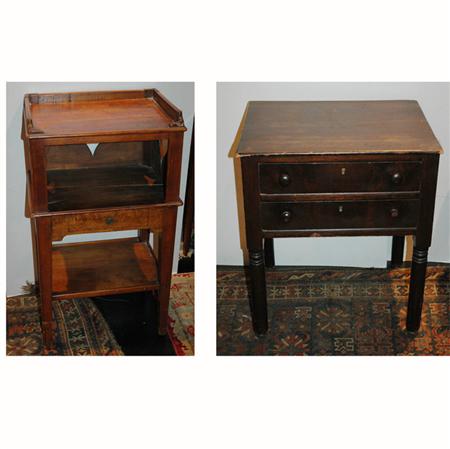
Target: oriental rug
(80,328)
(181,313)
(316,311)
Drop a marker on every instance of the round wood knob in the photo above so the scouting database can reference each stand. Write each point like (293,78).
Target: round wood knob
(284,179)
(109,220)
(394,212)
(396,178)
(286,215)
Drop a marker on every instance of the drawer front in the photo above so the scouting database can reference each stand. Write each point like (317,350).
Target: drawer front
(118,220)
(339,177)
(316,215)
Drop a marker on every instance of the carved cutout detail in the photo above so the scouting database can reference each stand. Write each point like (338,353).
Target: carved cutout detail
(92,147)
(177,123)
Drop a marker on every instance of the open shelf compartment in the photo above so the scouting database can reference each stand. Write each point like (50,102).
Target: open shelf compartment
(103,267)
(115,174)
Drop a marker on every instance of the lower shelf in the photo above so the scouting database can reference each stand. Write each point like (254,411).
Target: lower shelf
(102,268)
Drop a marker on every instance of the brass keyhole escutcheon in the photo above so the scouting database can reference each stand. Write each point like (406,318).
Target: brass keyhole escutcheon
(343,170)
(341,209)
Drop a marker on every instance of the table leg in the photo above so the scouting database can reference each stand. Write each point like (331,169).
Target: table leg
(269,254)
(44,249)
(35,255)
(255,244)
(398,247)
(422,242)
(416,288)
(258,291)
(165,259)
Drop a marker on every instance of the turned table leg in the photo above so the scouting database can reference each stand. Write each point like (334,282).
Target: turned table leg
(422,243)
(398,247)
(269,254)
(165,260)
(416,288)
(258,293)
(44,250)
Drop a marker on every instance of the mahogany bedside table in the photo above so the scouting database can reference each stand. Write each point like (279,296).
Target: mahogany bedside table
(98,162)
(347,168)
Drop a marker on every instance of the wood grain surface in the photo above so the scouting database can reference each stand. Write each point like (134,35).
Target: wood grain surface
(103,267)
(91,113)
(297,127)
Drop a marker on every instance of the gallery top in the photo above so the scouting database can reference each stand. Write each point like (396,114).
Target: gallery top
(99,113)
(334,127)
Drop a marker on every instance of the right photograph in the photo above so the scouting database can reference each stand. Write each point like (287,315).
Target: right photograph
(333,218)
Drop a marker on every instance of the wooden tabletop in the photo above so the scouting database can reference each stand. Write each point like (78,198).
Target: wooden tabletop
(335,127)
(94,113)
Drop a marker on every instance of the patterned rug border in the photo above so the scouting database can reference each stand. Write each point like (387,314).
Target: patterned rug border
(434,272)
(181,330)
(81,329)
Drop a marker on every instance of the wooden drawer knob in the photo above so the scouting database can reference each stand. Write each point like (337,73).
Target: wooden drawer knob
(284,179)
(109,220)
(396,178)
(394,212)
(286,215)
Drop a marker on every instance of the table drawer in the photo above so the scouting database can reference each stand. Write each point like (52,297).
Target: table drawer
(115,220)
(316,215)
(340,177)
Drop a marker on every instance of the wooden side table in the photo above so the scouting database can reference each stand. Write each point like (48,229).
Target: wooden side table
(98,162)
(344,168)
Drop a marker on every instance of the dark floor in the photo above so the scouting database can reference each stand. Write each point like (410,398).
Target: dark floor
(133,319)
(186,264)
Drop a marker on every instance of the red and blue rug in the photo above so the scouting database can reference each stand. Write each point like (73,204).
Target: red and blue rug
(82,330)
(334,312)
(181,313)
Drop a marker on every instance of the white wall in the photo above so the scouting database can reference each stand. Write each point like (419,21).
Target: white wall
(434,98)
(19,258)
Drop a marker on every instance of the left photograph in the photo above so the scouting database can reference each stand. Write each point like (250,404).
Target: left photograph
(100,218)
